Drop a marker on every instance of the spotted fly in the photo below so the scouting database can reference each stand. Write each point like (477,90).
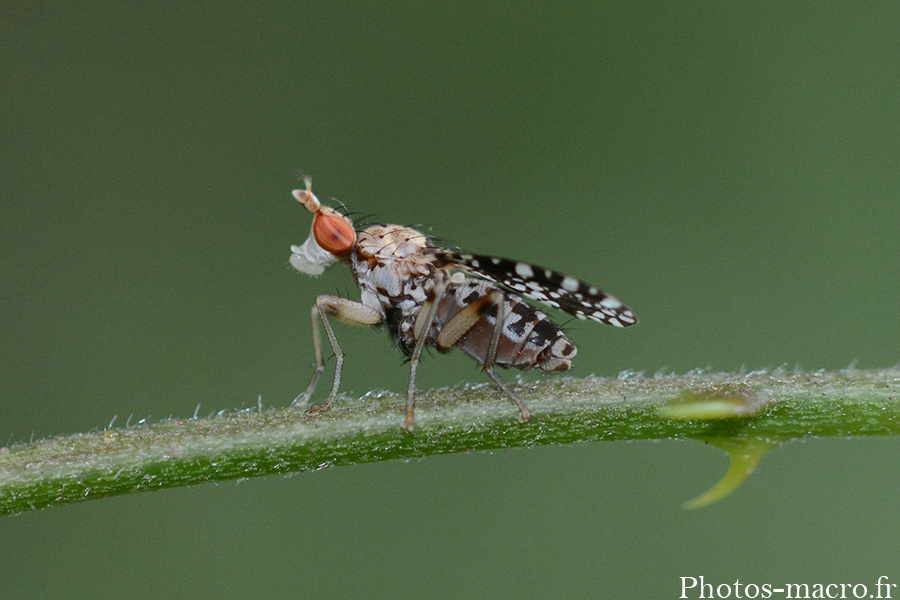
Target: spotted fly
(430,296)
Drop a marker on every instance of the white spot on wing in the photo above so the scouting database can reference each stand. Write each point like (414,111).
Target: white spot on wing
(524,270)
(610,302)
(569,284)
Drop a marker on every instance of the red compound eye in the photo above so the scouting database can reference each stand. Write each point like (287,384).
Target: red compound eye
(333,233)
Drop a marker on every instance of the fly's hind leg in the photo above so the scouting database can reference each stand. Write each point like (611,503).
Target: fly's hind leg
(464,320)
(343,310)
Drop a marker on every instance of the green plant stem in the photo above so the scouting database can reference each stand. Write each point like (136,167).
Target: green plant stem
(770,406)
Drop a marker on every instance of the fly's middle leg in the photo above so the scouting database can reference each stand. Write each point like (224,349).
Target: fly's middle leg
(420,334)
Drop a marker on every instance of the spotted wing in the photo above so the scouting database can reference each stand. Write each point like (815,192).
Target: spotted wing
(544,285)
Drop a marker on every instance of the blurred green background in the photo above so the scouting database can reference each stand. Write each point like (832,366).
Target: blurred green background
(731,171)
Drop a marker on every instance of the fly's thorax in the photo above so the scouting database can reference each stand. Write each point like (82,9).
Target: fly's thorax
(394,273)
(393,242)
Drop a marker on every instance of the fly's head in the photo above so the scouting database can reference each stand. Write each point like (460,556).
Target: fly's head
(331,237)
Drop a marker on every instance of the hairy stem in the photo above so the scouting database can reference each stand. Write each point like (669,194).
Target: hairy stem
(730,409)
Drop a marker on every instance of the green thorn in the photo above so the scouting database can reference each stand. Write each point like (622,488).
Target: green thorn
(745,455)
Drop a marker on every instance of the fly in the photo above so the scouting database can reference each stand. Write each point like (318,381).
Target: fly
(432,296)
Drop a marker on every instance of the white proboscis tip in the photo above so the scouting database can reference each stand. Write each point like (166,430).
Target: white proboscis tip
(310,258)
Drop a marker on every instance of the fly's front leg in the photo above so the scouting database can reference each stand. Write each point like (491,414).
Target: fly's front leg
(343,310)
(464,320)
(302,401)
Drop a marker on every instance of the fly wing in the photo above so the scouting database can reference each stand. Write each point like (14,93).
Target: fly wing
(544,285)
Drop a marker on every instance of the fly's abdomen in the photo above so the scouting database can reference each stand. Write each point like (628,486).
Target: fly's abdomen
(527,339)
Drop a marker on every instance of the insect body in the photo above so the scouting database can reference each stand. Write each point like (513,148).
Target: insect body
(427,296)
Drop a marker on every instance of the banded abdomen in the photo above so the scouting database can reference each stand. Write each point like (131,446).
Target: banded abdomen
(528,338)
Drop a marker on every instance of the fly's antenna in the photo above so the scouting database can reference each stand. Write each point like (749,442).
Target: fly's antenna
(306,197)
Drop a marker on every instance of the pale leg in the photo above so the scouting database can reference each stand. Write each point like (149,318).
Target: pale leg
(347,311)
(420,333)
